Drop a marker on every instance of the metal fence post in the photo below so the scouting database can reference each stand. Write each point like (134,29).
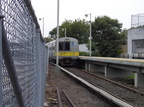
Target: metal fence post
(43,74)
(11,69)
(38,69)
(45,59)
(1,97)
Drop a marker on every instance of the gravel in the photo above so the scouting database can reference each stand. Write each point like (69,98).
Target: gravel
(133,98)
(80,96)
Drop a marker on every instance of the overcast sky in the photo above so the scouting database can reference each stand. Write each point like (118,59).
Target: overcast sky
(75,9)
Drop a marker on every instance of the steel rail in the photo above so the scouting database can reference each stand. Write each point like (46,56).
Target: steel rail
(59,97)
(96,76)
(101,92)
(69,100)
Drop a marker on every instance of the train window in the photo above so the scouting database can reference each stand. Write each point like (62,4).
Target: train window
(67,46)
(61,46)
(64,46)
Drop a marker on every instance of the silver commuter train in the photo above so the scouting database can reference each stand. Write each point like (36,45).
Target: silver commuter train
(68,51)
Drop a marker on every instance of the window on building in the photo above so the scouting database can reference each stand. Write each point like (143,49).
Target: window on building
(139,43)
(138,46)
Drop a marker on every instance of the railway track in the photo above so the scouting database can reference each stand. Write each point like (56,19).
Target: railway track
(64,99)
(113,100)
(113,92)
(70,93)
(126,94)
(113,82)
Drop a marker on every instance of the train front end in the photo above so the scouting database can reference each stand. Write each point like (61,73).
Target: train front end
(68,51)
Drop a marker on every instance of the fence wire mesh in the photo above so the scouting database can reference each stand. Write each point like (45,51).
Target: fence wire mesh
(28,51)
(137,20)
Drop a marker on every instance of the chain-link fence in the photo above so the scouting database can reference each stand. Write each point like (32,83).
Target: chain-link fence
(137,20)
(23,56)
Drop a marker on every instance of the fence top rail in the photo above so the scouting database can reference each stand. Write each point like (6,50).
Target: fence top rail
(32,12)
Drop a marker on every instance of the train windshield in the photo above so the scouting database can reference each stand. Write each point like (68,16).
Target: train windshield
(64,46)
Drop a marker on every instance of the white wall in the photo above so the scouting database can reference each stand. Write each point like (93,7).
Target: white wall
(83,48)
(134,34)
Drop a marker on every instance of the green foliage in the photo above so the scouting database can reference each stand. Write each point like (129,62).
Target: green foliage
(53,32)
(78,29)
(83,54)
(47,39)
(131,77)
(95,53)
(123,40)
(106,33)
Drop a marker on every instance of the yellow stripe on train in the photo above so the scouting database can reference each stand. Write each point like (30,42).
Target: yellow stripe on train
(67,53)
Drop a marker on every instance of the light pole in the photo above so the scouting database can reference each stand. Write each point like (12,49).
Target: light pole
(86,15)
(43,24)
(57,57)
(64,29)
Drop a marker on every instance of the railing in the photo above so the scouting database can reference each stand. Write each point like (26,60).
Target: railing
(132,56)
(137,20)
(23,56)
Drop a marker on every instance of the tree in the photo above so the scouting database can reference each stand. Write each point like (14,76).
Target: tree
(78,29)
(53,32)
(106,34)
(47,39)
(123,40)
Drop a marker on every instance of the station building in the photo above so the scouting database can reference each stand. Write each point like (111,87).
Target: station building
(136,42)
(136,37)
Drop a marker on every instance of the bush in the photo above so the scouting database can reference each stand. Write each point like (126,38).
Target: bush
(83,54)
(96,53)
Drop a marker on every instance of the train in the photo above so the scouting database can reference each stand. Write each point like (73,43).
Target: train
(68,51)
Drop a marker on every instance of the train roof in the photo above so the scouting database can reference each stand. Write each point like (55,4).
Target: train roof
(67,39)
(63,39)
